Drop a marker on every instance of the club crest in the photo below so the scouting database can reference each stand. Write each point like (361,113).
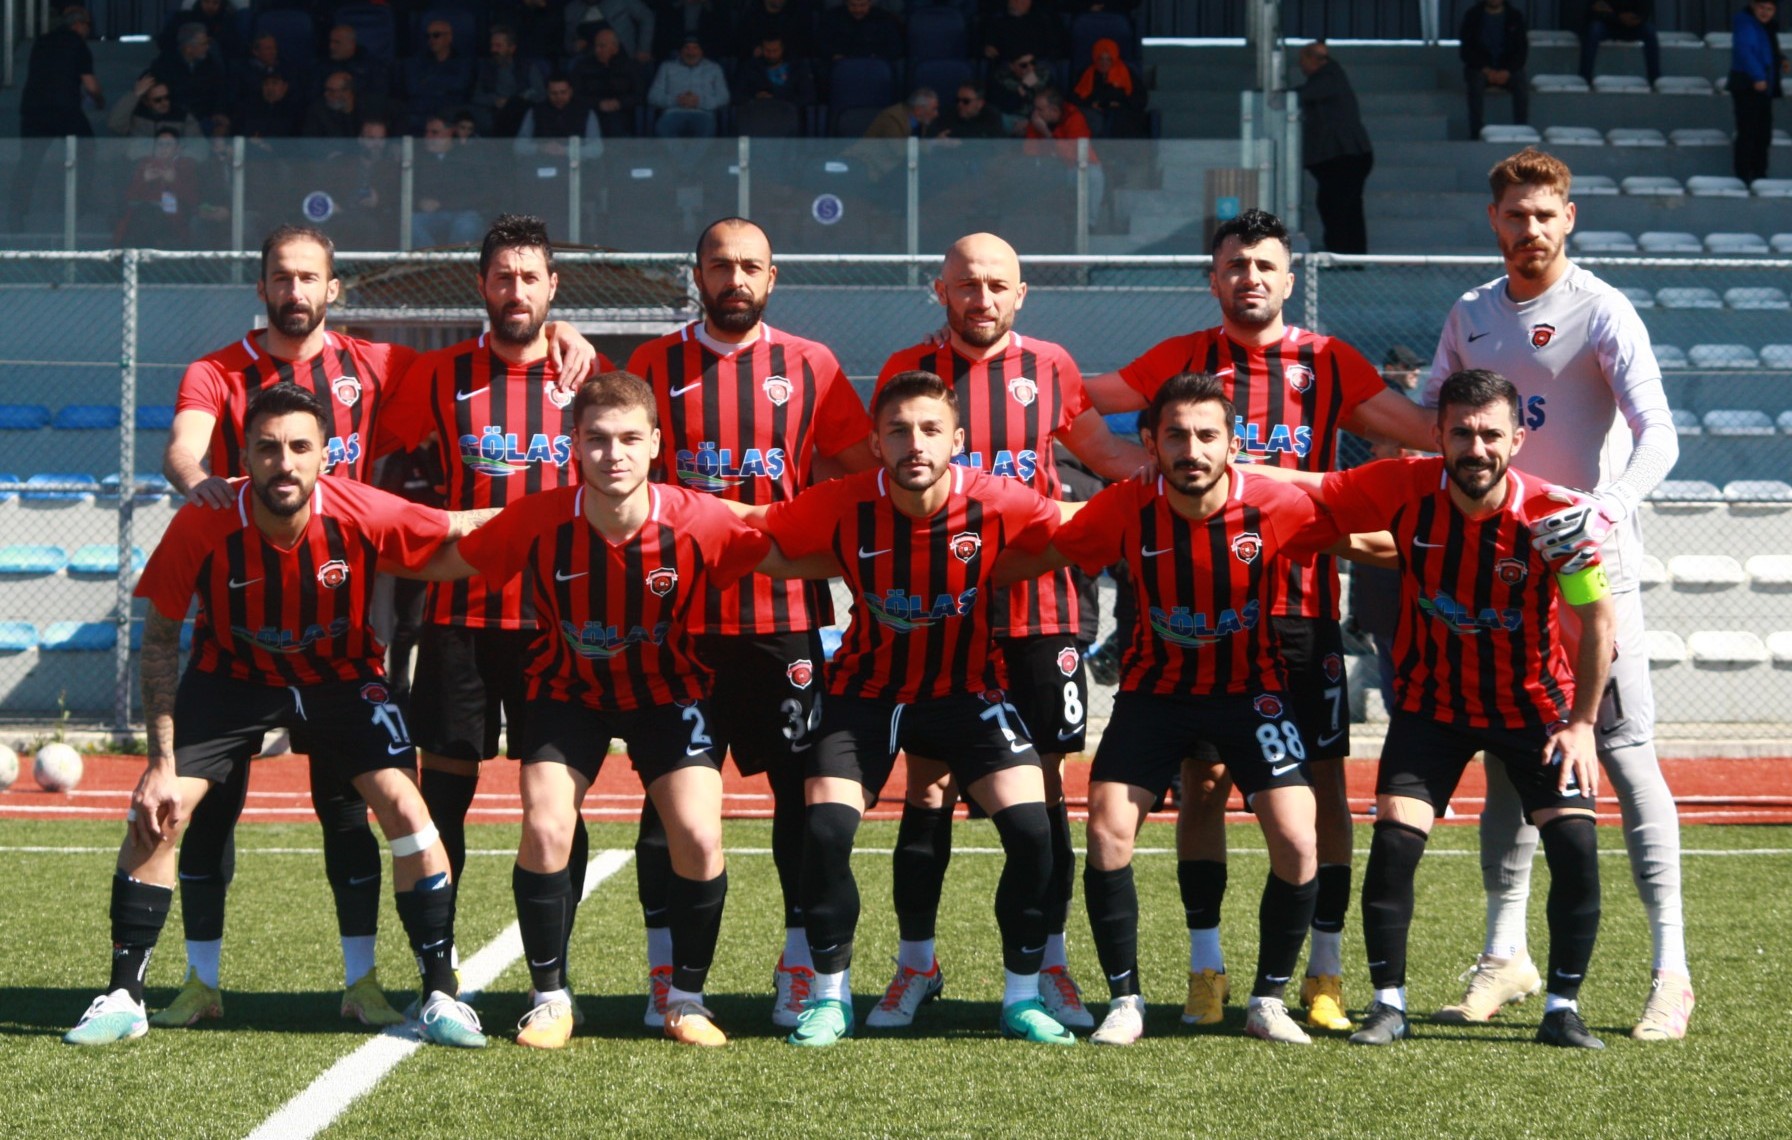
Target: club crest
(1299,377)
(1023,391)
(1511,571)
(1268,706)
(555,396)
(801,672)
(1541,335)
(347,390)
(662,580)
(333,574)
(966,544)
(1333,667)
(1247,546)
(777,390)
(1067,661)
(375,693)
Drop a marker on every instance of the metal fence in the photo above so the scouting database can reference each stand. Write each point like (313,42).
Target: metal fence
(94,344)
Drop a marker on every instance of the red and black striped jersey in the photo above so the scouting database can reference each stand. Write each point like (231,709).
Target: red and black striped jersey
(1203,585)
(299,616)
(616,615)
(354,379)
(1292,398)
(1011,405)
(746,426)
(920,624)
(505,432)
(1478,643)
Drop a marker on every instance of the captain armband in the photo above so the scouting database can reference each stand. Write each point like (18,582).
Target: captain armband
(1585,585)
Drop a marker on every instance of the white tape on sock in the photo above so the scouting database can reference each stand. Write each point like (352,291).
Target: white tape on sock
(415,844)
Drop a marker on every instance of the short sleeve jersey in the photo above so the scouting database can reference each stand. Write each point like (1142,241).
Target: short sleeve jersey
(354,380)
(1292,398)
(1478,643)
(920,625)
(746,426)
(505,432)
(615,615)
(1011,405)
(1201,584)
(1586,376)
(298,616)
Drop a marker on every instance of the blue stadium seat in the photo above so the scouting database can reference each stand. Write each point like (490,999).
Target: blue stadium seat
(155,417)
(102,558)
(292,29)
(944,77)
(17,636)
(374,28)
(8,496)
(21,558)
(51,479)
(86,417)
(78,636)
(936,33)
(861,83)
(151,485)
(23,417)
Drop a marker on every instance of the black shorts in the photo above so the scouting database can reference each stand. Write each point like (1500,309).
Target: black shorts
(1423,759)
(1313,650)
(356,726)
(469,683)
(660,739)
(973,735)
(763,696)
(1049,685)
(1256,737)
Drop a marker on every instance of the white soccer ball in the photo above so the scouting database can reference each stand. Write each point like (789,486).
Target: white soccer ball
(58,768)
(9,767)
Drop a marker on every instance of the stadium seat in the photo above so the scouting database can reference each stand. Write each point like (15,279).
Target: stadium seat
(8,496)
(1688,297)
(150,486)
(1669,356)
(944,76)
(292,29)
(768,119)
(1652,572)
(1769,571)
(1686,421)
(1635,136)
(1552,37)
(1669,241)
(1779,647)
(1570,136)
(1586,185)
(54,479)
(1683,85)
(1784,422)
(1676,40)
(1781,243)
(1705,570)
(1726,648)
(1685,491)
(155,417)
(17,636)
(1738,421)
(102,558)
(1777,356)
(76,636)
(23,417)
(1652,186)
(1756,298)
(1716,357)
(861,83)
(374,28)
(1716,186)
(1664,647)
(86,417)
(1771,187)
(936,32)
(1758,491)
(1603,241)
(1510,134)
(21,558)
(1698,136)
(1559,84)
(1718,41)
(853,122)
(1620,85)
(1736,244)
(1639,297)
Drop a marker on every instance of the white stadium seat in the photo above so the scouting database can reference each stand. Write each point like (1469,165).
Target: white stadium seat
(1718,40)
(1652,572)
(1510,135)
(1738,421)
(1734,244)
(1603,241)
(1776,356)
(1686,421)
(1638,297)
(1698,136)
(1683,85)
(1635,136)
(1716,186)
(1726,647)
(1620,85)
(1571,136)
(1784,422)
(1781,243)
(1669,241)
(1723,356)
(1559,84)
(1779,646)
(1675,40)
(1688,297)
(1664,647)
(1587,185)
(1772,187)
(1756,298)
(1552,37)
(1773,571)
(1685,491)
(1652,186)
(1669,356)
(1757,491)
(1705,570)
(1781,138)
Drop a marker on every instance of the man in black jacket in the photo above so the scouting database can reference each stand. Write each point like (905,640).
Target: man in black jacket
(1335,149)
(1494,45)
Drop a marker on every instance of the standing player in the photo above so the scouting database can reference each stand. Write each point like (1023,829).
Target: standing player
(353,380)
(1598,420)
(1483,666)
(1015,395)
(749,413)
(1294,389)
(918,539)
(283,638)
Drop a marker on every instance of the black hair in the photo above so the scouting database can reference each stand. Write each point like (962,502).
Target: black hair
(515,231)
(1477,388)
(281,235)
(910,385)
(285,399)
(1188,388)
(1251,227)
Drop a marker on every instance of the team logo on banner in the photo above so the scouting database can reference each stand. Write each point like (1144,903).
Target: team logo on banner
(1268,706)
(1247,546)
(1299,377)
(1333,666)
(347,390)
(801,672)
(1511,571)
(1067,659)
(1023,390)
(662,580)
(777,390)
(966,544)
(555,396)
(1541,335)
(333,574)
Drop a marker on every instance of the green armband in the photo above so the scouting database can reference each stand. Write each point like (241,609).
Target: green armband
(1583,586)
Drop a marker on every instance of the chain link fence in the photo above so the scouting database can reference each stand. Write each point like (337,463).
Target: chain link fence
(97,342)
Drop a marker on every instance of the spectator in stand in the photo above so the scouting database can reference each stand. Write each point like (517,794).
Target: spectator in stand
(1053,129)
(1629,20)
(337,113)
(688,90)
(216,174)
(148,108)
(1494,44)
(437,81)
(540,26)
(972,117)
(217,17)
(263,61)
(275,112)
(563,115)
(373,79)
(632,20)
(506,87)
(610,82)
(914,117)
(709,20)
(1335,149)
(159,197)
(464,126)
(57,78)
(1757,66)
(1109,95)
(792,21)
(1020,30)
(1012,87)
(860,30)
(771,74)
(444,187)
(367,192)
(195,80)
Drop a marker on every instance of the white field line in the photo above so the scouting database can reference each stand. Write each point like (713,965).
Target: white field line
(353,1077)
(495,852)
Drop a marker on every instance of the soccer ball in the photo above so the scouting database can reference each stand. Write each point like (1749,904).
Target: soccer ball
(58,768)
(9,767)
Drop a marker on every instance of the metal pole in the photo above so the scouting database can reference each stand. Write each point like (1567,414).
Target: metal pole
(238,196)
(743,194)
(1314,262)
(68,192)
(913,243)
(406,183)
(1082,196)
(1292,171)
(11,38)
(572,189)
(1247,127)
(127,495)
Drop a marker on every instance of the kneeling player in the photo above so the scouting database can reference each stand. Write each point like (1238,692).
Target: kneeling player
(295,548)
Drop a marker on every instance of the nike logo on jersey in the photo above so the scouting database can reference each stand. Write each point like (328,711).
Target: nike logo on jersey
(1148,553)
(1328,741)
(686,388)
(1284,769)
(563,576)
(863,553)
(1419,542)
(236,585)
(474,392)
(1473,337)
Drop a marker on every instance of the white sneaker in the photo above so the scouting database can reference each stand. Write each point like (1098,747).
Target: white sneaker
(110,1017)
(659,988)
(904,996)
(446,1020)
(1062,999)
(794,985)
(1124,1024)
(1267,1017)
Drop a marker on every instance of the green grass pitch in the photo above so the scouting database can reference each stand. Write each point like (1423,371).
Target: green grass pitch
(951,1076)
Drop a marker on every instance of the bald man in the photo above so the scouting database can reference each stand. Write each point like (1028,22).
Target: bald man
(1016,395)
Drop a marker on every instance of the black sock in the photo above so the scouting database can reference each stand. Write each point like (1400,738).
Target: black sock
(543,904)
(1571,847)
(1283,916)
(696,914)
(918,869)
(653,869)
(207,861)
(1203,885)
(787,837)
(351,853)
(139,911)
(1060,885)
(1112,899)
(1394,856)
(428,918)
(448,795)
(576,867)
(1334,898)
(1020,893)
(830,893)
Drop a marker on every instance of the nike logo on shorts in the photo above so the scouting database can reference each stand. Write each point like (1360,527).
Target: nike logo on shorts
(1067,733)
(704,750)
(1284,769)
(1019,745)
(474,392)
(1328,741)
(686,388)
(398,749)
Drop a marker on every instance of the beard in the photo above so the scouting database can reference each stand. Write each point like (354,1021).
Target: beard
(1531,267)
(295,319)
(978,337)
(1188,479)
(1256,315)
(909,480)
(265,493)
(502,328)
(732,320)
(1475,478)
